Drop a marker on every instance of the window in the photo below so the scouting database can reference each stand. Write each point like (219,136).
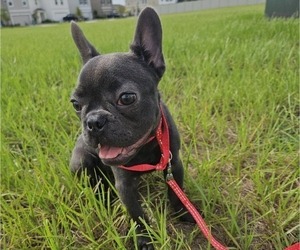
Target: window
(36,2)
(55,1)
(24,3)
(10,3)
(61,2)
(83,2)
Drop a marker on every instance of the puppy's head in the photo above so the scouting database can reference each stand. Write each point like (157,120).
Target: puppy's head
(116,96)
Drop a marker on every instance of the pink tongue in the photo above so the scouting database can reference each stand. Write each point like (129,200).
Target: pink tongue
(109,152)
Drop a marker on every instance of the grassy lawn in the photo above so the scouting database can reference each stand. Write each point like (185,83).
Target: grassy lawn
(232,84)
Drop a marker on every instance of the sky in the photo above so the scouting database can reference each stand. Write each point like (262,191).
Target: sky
(119,2)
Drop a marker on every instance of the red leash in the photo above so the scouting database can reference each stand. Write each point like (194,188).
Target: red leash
(196,215)
(294,247)
(162,137)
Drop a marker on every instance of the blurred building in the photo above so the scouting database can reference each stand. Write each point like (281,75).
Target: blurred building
(27,12)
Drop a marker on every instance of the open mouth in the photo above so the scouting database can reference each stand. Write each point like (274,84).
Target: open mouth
(116,156)
(111,155)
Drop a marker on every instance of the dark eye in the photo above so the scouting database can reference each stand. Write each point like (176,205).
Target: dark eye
(76,105)
(127,99)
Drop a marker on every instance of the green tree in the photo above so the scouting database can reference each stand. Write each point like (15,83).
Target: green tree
(5,18)
(121,10)
(78,12)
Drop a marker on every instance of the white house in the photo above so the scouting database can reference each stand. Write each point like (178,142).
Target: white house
(83,5)
(37,11)
(166,1)
(55,9)
(19,12)
(26,12)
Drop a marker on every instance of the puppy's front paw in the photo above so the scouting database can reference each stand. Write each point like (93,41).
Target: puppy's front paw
(184,215)
(144,243)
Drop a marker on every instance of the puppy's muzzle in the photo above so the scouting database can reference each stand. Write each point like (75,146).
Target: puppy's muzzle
(96,122)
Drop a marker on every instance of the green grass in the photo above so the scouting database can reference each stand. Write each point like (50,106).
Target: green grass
(231,83)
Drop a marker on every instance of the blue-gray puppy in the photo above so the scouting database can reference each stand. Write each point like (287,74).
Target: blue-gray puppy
(120,109)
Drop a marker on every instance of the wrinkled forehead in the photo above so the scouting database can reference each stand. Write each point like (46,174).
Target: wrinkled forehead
(116,69)
(125,65)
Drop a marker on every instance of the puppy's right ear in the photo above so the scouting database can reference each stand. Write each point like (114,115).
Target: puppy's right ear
(87,51)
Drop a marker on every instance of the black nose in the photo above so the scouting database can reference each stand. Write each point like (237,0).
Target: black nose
(95,122)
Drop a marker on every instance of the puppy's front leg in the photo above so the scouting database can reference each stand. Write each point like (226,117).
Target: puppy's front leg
(127,186)
(177,171)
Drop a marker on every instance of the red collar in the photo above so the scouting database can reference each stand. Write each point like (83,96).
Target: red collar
(162,137)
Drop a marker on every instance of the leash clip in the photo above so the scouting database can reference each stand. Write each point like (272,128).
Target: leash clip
(169,169)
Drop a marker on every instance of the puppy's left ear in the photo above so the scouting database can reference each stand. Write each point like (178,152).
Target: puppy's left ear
(87,51)
(147,43)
